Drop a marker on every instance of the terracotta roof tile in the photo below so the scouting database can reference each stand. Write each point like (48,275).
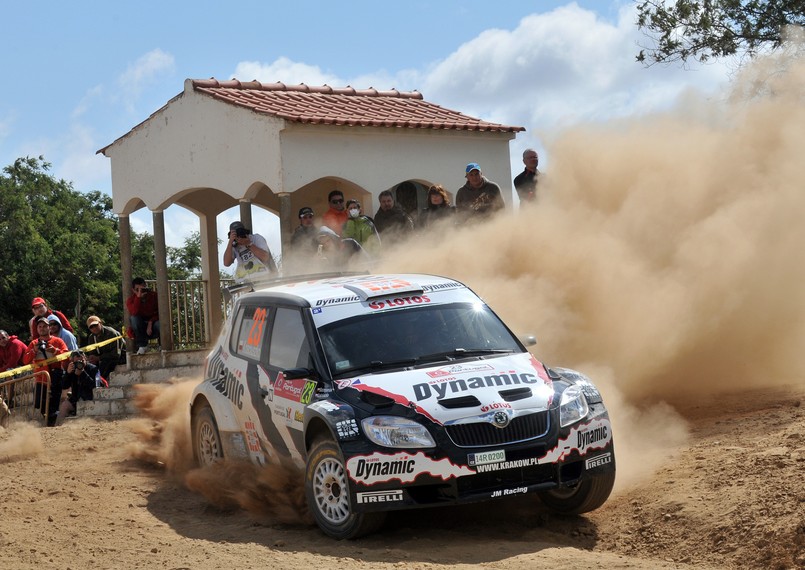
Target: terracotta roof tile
(325,105)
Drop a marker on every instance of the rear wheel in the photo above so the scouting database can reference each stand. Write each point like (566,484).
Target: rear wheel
(586,496)
(207,448)
(327,490)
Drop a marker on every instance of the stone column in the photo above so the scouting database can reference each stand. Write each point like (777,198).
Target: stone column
(124,232)
(163,287)
(246,213)
(210,271)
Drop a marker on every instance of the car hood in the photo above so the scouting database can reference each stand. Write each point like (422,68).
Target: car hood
(450,393)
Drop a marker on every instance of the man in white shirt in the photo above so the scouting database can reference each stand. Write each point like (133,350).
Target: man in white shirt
(250,251)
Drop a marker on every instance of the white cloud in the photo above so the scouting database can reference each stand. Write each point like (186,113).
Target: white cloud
(286,71)
(144,72)
(556,69)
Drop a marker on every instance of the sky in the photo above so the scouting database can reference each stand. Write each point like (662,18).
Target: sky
(81,74)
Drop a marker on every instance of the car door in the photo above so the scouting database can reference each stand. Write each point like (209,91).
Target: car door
(288,347)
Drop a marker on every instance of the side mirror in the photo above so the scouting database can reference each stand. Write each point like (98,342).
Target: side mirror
(528,340)
(299,373)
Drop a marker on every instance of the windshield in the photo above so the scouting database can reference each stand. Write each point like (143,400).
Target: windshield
(412,336)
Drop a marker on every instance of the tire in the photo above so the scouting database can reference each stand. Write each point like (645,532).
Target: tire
(327,491)
(584,497)
(207,445)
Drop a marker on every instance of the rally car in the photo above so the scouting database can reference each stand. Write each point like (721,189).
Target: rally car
(395,392)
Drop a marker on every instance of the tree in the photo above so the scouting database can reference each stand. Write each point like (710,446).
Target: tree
(705,29)
(59,244)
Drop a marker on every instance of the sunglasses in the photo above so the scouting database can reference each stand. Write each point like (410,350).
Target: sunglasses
(307,216)
(341,201)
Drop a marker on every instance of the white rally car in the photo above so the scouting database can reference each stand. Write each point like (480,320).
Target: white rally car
(396,392)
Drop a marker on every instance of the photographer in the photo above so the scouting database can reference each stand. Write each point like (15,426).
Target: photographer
(144,314)
(249,250)
(81,378)
(40,350)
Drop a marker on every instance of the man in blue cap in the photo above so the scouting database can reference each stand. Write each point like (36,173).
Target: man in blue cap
(479,198)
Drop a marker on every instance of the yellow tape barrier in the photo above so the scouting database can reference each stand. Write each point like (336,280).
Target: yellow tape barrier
(57,358)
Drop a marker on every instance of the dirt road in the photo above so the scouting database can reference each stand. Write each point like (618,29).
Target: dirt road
(84,495)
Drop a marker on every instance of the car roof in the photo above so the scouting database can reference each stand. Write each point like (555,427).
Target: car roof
(319,291)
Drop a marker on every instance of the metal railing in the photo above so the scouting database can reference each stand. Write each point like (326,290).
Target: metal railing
(188,302)
(20,400)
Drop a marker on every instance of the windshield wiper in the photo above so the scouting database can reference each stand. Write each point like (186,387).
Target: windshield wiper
(463,352)
(375,365)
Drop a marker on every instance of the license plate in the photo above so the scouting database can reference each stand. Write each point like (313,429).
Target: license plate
(485,457)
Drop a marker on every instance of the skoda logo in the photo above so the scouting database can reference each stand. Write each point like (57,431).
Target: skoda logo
(500,419)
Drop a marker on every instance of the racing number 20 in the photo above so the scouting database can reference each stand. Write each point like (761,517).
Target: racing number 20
(258,322)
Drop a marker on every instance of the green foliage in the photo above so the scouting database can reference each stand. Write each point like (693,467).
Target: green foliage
(705,29)
(59,244)
(185,262)
(63,245)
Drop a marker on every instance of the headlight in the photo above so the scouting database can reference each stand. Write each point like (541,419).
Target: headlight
(573,406)
(391,431)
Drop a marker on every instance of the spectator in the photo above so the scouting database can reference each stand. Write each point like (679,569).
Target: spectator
(336,215)
(250,251)
(406,197)
(361,229)
(80,378)
(40,309)
(526,182)
(143,309)
(391,220)
(337,253)
(303,239)
(11,351)
(40,350)
(107,356)
(438,209)
(479,198)
(54,325)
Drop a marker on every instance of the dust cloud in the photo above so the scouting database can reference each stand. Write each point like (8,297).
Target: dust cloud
(665,256)
(271,492)
(24,441)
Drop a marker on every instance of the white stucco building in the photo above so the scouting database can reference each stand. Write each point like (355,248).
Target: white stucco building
(222,143)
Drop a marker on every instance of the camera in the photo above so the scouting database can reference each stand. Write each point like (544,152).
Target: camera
(79,365)
(242,232)
(146,289)
(42,345)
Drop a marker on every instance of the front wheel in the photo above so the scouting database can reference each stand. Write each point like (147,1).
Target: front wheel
(327,490)
(586,496)
(207,447)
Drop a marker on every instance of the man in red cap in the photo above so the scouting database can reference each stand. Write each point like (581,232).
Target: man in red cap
(40,309)
(40,350)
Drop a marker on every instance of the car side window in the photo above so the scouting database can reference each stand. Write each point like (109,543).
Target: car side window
(289,347)
(252,329)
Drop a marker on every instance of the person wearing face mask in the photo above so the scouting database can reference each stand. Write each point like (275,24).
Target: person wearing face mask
(361,228)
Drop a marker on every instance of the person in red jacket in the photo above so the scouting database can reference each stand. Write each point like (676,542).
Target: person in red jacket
(40,309)
(11,351)
(143,313)
(41,349)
